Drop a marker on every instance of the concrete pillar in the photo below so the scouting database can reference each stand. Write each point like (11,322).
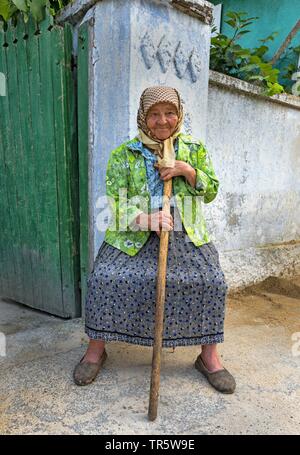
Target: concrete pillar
(135,44)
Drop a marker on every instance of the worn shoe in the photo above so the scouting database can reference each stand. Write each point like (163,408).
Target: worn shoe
(221,380)
(85,373)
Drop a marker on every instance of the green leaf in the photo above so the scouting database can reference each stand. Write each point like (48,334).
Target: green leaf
(37,8)
(239,14)
(231,22)
(296,49)
(245,24)
(232,14)
(291,67)
(260,51)
(216,41)
(249,67)
(224,37)
(273,89)
(254,18)
(254,59)
(242,33)
(269,38)
(5,9)
(242,52)
(21,5)
(236,47)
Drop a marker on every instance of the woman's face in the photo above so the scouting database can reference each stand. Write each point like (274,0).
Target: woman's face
(161,120)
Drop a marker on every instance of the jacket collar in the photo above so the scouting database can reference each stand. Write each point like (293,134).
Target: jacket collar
(136,145)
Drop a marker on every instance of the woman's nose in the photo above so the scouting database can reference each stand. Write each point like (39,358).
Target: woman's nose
(162,120)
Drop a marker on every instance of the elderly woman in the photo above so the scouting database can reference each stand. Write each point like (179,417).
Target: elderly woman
(120,302)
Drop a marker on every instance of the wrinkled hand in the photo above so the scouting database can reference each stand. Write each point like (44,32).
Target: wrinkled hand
(161,221)
(180,168)
(156,221)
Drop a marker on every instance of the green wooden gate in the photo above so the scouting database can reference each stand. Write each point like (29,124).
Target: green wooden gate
(39,209)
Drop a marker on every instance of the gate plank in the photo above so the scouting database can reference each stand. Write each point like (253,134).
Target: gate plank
(29,243)
(50,211)
(65,143)
(12,183)
(83,153)
(6,255)
(38,162)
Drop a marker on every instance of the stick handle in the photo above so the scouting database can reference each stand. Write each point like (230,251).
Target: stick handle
(159,308)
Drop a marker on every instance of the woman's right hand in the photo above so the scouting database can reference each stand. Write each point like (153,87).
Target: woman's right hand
(156,221)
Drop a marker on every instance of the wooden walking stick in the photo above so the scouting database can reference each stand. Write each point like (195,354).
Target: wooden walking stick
(159,307)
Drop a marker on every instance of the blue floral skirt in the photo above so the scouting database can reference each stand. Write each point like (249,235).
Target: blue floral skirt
(120,301)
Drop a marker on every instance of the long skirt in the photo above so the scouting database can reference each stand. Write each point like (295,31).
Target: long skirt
(121,291)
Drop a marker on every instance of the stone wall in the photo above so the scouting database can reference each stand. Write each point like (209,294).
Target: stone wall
(255,145)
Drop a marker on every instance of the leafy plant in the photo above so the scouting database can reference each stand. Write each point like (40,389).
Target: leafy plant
(13,9)
(291,70)
(229,57)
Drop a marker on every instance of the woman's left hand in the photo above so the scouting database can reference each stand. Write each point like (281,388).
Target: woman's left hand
(180,168)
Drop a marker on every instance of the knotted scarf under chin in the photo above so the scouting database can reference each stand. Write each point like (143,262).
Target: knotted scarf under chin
(163,149)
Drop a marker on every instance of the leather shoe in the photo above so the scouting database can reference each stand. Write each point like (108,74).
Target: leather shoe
(221,380)
(85,373)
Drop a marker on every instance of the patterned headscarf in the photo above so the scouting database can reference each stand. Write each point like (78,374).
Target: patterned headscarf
(163,148)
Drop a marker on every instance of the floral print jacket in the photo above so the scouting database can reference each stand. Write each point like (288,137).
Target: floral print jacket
(128,193)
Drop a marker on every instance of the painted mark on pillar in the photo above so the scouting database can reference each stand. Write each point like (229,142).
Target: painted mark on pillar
(185,60)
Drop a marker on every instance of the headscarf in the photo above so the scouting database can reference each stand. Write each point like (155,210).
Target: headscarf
(163,148)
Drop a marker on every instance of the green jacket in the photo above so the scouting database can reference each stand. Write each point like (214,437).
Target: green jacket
(126,169)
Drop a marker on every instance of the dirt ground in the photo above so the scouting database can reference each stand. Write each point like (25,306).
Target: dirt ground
(261,349)
(274,302)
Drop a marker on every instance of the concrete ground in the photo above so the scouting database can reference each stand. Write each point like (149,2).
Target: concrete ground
(37,394)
